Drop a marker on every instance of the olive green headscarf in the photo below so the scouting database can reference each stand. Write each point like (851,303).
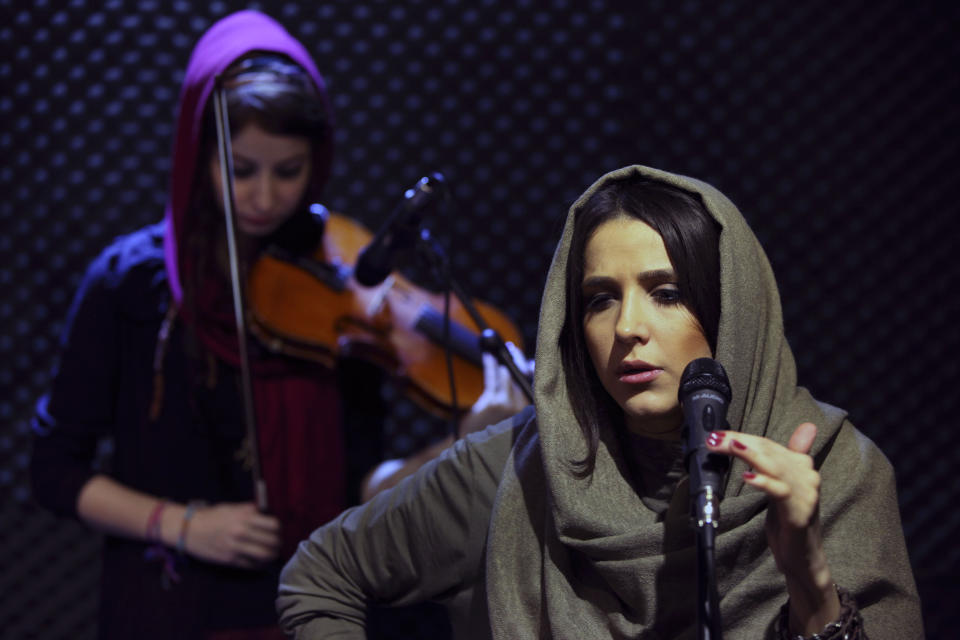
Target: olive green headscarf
(579,558)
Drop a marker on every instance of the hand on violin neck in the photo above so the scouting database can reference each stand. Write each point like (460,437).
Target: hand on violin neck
(501,397)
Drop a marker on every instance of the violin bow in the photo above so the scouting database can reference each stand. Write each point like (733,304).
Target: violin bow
(236,280)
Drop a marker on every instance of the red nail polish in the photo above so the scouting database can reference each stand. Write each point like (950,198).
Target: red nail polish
(749,475)
(739,445)
(715,438)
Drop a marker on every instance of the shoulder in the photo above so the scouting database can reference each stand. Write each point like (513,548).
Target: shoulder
(854,470)
(490,448)
(864,454)
(126,280)
(467,473)
(130,268)
(464,478)
(848,444)
(129,254)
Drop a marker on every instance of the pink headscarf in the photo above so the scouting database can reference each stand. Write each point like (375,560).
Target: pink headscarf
(227,40)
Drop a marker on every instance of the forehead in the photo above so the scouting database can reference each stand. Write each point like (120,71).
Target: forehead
(624,244)
(252,140)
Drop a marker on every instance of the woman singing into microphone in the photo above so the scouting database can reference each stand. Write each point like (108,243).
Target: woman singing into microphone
(571,520)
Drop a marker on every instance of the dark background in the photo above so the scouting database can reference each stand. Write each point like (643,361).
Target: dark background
(833,124)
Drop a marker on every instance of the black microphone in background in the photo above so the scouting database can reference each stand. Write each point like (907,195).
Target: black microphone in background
(398,232)
(704,395)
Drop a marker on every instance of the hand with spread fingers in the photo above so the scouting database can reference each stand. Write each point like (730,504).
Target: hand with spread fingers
(787,475)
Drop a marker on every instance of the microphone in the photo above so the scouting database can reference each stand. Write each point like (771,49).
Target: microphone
(398,232)
(704,395)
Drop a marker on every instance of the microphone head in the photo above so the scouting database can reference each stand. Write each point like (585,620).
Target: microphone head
(399,232)
(373,266)
(704,373)
(426,193)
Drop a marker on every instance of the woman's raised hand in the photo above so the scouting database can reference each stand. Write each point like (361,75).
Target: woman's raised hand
(787,475)
(234,534)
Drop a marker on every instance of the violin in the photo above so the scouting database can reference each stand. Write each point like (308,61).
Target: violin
(312,307)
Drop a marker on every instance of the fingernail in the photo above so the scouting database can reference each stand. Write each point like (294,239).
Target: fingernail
(739,445)
(749,475)
(715,438)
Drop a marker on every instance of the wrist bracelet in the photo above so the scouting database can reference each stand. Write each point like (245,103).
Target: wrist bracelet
(192,507)
(849,626)
(156,549)
(153,531)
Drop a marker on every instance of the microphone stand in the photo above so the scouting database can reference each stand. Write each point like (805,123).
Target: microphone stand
(434,256)
(708,602)
(705,513)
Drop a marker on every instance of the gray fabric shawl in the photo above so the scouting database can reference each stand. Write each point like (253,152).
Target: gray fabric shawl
(584,558)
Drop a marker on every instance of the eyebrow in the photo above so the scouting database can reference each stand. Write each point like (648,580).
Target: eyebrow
(297,157)
(653,275)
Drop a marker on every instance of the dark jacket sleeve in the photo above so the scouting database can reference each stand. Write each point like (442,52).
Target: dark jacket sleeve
(422,540)
(78,410)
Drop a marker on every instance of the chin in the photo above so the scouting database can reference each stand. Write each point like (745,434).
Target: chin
(257,232)
(649,419)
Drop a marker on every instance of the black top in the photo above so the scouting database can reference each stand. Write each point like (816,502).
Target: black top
(101,393)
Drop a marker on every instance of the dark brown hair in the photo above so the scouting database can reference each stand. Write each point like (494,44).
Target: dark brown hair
(691,237)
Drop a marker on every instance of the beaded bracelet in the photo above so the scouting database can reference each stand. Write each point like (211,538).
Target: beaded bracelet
(192,507)
(849,626)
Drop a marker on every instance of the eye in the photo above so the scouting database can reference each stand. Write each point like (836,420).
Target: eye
(289,171)
(243,169)
(597,301)
(667,295)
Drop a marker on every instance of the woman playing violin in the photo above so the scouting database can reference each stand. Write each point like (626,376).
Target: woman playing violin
(150,360)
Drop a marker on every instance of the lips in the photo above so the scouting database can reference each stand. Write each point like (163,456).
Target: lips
(255,222)
(254,225)
(637,372)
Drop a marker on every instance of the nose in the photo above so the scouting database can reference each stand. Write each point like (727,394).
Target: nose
(632,320)
(263,193)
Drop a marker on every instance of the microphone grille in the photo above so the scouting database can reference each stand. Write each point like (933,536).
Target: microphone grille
(704,373)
